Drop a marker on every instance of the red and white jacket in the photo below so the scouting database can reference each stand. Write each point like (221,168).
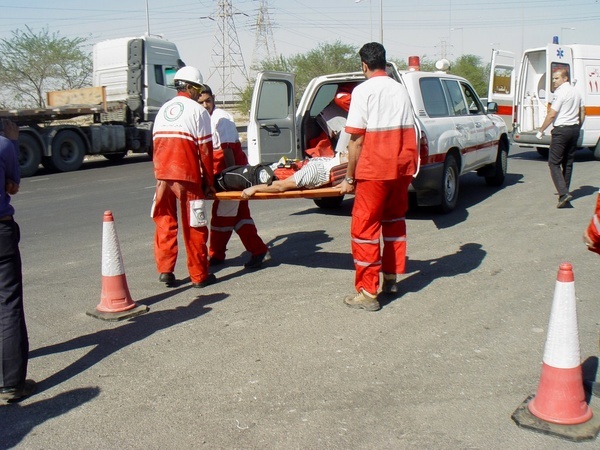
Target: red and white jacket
(381,110)
(182,140)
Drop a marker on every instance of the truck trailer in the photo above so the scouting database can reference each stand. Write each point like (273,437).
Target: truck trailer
(132,79)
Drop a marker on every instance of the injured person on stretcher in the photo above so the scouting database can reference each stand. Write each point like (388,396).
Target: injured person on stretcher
(317,171)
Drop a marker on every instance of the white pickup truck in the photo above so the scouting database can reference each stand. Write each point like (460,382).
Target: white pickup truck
(458,134)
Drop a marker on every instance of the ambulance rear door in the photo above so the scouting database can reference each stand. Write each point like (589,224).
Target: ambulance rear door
(502,84)
(558,57)
(271,126)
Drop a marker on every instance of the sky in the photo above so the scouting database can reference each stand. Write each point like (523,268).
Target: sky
(427,28)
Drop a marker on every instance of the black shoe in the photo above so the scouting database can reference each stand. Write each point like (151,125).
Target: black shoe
(15,393)
(210,279)
(256,261)
(563,200)
(215,262)
(167,278)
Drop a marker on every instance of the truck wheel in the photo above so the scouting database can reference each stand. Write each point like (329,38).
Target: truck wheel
(68,151)
(30,154)
(500,166)
(115,156)
(329,202)
(449,185)
(543,152)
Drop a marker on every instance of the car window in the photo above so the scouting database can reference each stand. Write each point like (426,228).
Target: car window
(475,106)
(457,100)
(274,100)
(433,97)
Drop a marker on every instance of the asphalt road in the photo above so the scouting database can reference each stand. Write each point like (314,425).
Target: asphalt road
(272,358)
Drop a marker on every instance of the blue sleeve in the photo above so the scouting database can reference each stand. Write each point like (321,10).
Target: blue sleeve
(13,169)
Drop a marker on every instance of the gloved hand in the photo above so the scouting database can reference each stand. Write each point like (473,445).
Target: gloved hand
(539,134)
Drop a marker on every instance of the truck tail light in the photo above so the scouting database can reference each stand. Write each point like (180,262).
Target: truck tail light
(424,148)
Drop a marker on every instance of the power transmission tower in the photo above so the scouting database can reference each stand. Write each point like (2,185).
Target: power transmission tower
(264,45)
(227,58)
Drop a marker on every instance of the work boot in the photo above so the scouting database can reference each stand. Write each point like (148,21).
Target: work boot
(363,300)
(210,279)
(16,393)
(212,262)
(564,200)
(389,285)
(168,278)
(256,261)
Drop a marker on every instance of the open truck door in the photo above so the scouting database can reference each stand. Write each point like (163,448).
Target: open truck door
(501,88)
(272,127)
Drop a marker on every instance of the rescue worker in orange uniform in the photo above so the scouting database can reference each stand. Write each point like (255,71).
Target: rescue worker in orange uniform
(229,216)
(382,159)
(591,236)
(183,167)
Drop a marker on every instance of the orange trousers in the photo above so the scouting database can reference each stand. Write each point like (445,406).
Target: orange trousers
(230,216)
(168,195)
(379,211)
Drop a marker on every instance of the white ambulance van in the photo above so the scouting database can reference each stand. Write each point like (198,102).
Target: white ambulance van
(534,93)
(457,133)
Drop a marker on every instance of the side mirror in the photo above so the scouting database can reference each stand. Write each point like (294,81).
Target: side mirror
(492,107)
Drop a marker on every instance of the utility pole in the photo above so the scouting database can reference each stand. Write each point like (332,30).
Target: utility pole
(227,58)
(264,44)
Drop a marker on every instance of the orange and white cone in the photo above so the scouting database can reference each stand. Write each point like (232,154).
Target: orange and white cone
(115,299)
(560,397)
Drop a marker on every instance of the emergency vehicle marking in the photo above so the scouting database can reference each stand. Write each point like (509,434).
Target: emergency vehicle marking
(505,110)
(592,110)
(440,157)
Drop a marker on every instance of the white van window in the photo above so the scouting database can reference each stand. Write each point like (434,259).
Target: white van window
(433,97)
(555,66)
(502,80)
(274,100)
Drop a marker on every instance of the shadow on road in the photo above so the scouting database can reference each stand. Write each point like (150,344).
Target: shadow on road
(18,421)
(109,341)
(423,273)
(473,191)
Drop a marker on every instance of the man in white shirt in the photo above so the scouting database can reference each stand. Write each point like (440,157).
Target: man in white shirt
(566,114)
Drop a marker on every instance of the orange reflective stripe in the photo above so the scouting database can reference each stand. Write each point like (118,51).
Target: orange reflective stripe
(505,110)
(592,110)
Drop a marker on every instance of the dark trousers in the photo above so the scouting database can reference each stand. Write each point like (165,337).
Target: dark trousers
(561,156)
(14,343)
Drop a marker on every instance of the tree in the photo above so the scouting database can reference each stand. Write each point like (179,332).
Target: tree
(32,64)
(471,68)
(323,60)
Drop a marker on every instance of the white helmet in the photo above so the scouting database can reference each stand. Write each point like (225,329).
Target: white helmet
(189,74)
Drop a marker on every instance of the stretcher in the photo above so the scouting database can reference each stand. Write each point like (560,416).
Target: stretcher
(336,175)
(298,193)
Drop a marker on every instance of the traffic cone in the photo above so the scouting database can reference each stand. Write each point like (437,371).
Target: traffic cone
(115,299)
(559,407)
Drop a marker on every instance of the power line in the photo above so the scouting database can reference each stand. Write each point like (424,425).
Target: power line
(227,58)
(264,44)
